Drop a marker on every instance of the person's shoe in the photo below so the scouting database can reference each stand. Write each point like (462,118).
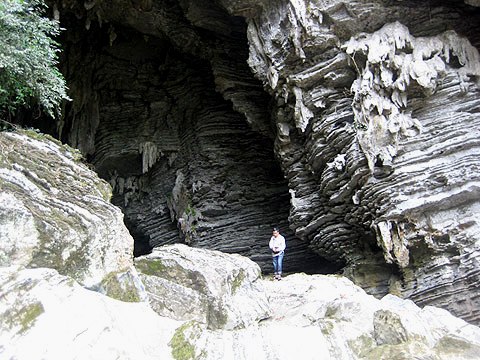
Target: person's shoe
(279,277)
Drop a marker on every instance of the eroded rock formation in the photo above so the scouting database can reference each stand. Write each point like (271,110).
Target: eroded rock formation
(236,314)
(55,212)
(368,109)
(185,163)
(378,127)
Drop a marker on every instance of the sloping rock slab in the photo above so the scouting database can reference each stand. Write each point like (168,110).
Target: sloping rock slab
(329,318)
(55,211)
(49,316)
(220,290)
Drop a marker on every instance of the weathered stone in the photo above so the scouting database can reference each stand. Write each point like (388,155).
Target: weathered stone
(49,316)
(381,171)
(183,133)
(55,211)
(220,290)
(370,107)
(327,317)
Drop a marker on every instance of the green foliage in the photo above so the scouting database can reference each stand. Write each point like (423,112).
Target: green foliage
(28,58)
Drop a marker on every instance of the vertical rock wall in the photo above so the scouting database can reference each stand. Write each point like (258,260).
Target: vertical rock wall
(186,163)
(372,112)
(377,111)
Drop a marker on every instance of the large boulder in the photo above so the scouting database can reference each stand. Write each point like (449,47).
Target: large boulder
(328,317)
(55,212)
(46,315)
(223,291)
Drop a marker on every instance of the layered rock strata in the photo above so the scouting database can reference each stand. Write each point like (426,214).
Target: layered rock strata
(377,117)
(374,116)
(186,164)
(55,212)
(48,315)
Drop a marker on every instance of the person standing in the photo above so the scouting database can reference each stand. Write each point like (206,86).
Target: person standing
(277,245)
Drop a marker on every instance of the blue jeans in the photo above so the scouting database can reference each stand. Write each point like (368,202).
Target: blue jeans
(277,263)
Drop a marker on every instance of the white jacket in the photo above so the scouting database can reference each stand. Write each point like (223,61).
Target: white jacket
(277,244)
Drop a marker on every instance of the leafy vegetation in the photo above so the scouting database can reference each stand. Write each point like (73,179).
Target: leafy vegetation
(28,58)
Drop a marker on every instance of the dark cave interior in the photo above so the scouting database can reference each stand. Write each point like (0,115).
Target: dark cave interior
(184,138)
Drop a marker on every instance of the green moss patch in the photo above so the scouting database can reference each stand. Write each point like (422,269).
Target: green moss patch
(120,287)
(182,349)
(151,267)
(362,345)
(23,317)
(238,280)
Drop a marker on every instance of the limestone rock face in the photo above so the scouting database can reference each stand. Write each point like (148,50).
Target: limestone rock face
(49,316)
(220,290)
(55,212)
(327,317)
(377,131)
(351,125)
(169,113)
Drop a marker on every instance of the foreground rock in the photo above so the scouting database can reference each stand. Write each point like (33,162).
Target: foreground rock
(327,317)
(55,212)
(49,316)
(220,290)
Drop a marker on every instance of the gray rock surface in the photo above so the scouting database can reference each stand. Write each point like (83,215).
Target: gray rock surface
(223,291)
(55,212)
(327,317)
(173,118)
(377,118)
(49,316)
(359,135)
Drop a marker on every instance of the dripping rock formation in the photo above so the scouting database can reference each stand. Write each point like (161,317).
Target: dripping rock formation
(353,125)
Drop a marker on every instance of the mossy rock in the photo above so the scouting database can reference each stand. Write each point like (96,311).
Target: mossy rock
(404,351)
(23,317)
(152,267)
(237,281)
(182,348)
(120,286)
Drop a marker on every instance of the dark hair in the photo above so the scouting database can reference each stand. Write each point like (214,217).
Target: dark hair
(275,229)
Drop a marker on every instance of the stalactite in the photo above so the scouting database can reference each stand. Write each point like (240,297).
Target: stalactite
(149,153)
(395,61)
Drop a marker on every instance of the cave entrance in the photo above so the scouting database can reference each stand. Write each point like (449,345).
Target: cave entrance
(183,136)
